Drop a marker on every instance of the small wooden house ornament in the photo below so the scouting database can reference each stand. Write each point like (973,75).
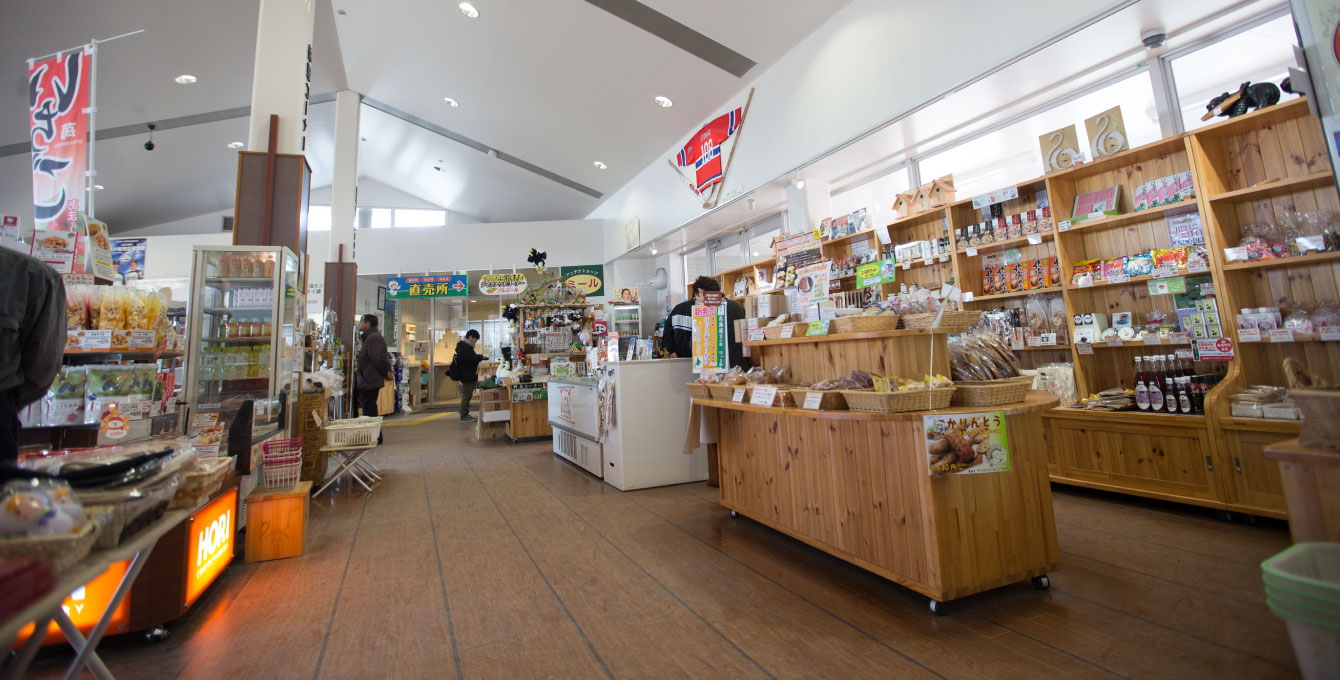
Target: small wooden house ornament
(942,191)
(922,201)
(904,204)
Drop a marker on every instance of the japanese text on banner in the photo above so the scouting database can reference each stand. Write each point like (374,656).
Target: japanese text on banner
(58,119)
(709,339)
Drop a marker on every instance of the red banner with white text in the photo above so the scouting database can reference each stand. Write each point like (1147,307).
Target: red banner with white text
(58,102)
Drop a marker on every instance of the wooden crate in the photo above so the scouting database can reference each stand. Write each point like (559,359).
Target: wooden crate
(277,523)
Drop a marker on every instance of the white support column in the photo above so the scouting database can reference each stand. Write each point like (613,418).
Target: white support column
(344,181)
(281,80)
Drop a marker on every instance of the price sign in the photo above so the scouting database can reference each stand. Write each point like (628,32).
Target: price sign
(1185,354)
(1048,339)
(97,340)
(1207,288)
(1033,341)
(1084,348)
(1085,281)
(763,395)
(1016,343)
(1034,239)
(1330,334)
(907,264)
(757,334)
(1165,271)
(1179,338)
(813,399)
(972,251)
(1153,339)
(944,257)
(817,328)
(1115,341)
(1214,349)
(788,330)
(1249,335)
(1235,254)
(967,296)
(738,396)
(928,260)
(1063,225)
(1196,266)
(1281,335)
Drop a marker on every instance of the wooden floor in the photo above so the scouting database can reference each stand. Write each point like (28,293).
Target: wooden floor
(487,560)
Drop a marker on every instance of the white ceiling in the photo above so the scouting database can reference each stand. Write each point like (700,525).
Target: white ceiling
(556,83)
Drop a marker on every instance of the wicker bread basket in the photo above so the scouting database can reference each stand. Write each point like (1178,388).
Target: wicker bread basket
(864,324)
(61,552)
(775,332)
(898,402)
(831,401)
(724,391)
(991,392)
(950,318)
(698,390)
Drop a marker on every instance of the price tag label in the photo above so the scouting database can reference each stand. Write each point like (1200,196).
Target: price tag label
(1185,354)
(928,260)
(1033,341)
(967,296)
(1153,339)
(1084,348)
(97,340)
(817,328)
(787,330)
(1235,254)
(1330,334)
(143,340)
(1166,271)
(757,334)
(1063,225)
(1207,288)
(763,395)
(1085,281)
(1047,339)
(1179,338)
(972,251)
(1034,239)
(1118,278)
(77,279)
(738,397)
(944,257)
(907,264)
(1115,341)
(1249,335)
(1281,335)
(1016,343)
(813,399)
(1196,266)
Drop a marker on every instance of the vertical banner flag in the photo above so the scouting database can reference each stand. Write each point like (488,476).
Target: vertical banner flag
(58,103)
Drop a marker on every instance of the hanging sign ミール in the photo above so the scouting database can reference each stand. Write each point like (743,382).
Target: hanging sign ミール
(502,284)
(447,285)
(588,280)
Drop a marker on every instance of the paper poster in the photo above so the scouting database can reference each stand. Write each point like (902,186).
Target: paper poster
(626,296)
(876,273)
(55,248)
(9,233)
(565,403)
(208,433)
(129,255)
(966,443)
(99,252)
(709,339)
(812,282)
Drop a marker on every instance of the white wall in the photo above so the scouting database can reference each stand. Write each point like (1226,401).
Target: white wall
(873,61)
(452,247)
(374,194)
(210,223)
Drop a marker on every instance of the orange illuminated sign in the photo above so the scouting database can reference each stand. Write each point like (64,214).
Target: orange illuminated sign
(85,605)
(210,543)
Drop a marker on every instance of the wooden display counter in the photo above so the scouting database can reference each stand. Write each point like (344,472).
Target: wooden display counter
(529,418)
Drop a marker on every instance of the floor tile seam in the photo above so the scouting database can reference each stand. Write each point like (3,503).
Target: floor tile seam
(785,588)
(585,638)
(1162,545)
(339,591)
(1165,579)
(1048,645)
(441,578)
(648,574)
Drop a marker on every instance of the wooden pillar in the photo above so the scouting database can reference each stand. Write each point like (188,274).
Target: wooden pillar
(341,290)
(272,195)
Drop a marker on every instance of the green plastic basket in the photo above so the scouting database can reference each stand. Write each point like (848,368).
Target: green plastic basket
(1307,571)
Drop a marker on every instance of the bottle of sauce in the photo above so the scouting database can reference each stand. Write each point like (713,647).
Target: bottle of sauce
(1141,389)
(1169,392)
(1155,374)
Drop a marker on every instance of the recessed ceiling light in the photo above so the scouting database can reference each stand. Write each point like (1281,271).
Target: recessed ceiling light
(800,184)
(97,187)
(236,145)
(755,253)
(600,166)
(185,79)
(451,102)
(653,251)
(469,10)
(664,102)
(340,12)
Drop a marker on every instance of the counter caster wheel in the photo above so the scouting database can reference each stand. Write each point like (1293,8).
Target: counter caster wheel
(734,514)
(1042,582)
(939,608)
(1223,515)
(156,635)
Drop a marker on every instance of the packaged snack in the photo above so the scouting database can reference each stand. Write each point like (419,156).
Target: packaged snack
(1091,268)
(988,280)
(1036,276)
(1177,256)
(1185,186)
(1141,197)
(1053,271)
(1199,254)
(77,300)
(1001,230)
(1037,315)
(1030,222)
(64,401)
(1014,277)
(975,234)
(1056,310)
(111,316)
(1016,227)
(1139,265)
(136,310)
(106,385)
(1045,218)
(1115,267)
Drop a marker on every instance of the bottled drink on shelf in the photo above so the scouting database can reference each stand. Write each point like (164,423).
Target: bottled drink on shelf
(1169,392)
(1155,374)
(1141,389)
(1184,403)
(269,265)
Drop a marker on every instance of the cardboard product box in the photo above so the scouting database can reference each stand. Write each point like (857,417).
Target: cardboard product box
(495,394)
(485,431)
(769,305)
(493,406)
(495,416)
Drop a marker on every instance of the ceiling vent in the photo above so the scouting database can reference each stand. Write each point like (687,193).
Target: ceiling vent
(227,224)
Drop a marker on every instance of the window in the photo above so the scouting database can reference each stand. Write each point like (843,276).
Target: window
(375,218)
(318,218)
(420,218)
(695,264)
(1260,54)
(760,245)
(728,255)
(1012,154)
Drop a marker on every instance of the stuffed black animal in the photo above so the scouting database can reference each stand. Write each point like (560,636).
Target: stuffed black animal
(1258,96)
(511,313)
(538,259)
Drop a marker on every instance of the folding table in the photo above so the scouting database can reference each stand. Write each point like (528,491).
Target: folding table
(352,460)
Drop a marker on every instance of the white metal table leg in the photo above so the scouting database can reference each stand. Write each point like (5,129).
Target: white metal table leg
(29,650)
(77,640)
(90,646)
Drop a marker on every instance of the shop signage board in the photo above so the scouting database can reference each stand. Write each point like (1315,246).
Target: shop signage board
(587,279)
(128,255)
(86,605)
(876,273)
(209,539)
(58,113)
(812,282)
(1214,349)
(966,443)
(795,244)
(446,285)
(625,296)
(709,338)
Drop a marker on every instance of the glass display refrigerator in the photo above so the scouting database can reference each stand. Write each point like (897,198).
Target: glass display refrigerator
(627,322)
(246,313)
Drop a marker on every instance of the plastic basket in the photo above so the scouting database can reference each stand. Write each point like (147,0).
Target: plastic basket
(282,476)
(354,431)
(1303,588)
(280,450)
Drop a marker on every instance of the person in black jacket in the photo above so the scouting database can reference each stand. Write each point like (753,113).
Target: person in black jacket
(677,338)
(467,361)
(32,339)
(374,366)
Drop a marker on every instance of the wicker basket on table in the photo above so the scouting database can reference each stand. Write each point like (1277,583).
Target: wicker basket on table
(991,392)
(898,402)
(949,318)
(698,390)
(864,324)
(61,552)
(725,392)
(1318,403)
(798,329)
(200,481)
(832,400)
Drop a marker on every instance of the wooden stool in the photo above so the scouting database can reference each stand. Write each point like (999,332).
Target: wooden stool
(277,523)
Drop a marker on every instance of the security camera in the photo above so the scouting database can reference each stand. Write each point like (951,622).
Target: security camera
(149,145)
(1154,38)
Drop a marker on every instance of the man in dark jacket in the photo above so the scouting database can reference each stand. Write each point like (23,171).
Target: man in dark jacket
(374,366)
(678,335)
(467,361)
(32,339)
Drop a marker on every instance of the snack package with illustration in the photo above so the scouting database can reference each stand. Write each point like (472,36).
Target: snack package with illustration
(64,401)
